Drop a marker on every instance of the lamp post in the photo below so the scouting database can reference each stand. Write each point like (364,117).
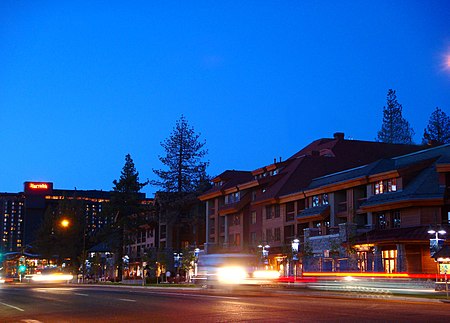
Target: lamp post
(436,242)
(196,253)
(177,260)
(295,243)
(264,254)
(435,245)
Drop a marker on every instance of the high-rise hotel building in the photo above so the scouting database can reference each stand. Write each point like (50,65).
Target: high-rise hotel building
(21,214)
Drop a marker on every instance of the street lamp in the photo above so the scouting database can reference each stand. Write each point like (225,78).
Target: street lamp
(295,243)
(65,223)
(196,253)
(436,243)
(264,254)
(177,260)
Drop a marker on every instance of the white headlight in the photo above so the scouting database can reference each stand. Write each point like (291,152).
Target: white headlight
(231,275)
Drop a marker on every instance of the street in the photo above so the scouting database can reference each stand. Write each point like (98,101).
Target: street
(73,303)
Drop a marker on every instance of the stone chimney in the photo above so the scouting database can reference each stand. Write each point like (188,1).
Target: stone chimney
(338,135)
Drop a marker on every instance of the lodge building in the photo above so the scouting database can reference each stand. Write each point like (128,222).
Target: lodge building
(354,205)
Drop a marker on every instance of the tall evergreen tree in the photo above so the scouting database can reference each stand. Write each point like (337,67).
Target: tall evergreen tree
(395,129)
(438,129)
(126,207)
(186,171)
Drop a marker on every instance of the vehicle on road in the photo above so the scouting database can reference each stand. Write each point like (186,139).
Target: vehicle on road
(232,270)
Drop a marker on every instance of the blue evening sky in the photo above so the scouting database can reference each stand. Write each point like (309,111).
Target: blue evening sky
(83,83)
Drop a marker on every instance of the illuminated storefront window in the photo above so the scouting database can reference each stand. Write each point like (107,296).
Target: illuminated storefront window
(389,258)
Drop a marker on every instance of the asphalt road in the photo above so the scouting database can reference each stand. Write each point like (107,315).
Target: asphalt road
(73,303)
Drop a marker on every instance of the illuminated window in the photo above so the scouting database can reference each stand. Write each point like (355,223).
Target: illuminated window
(318,200)
(315,201)
(385,186)
(382,222)
(389,258)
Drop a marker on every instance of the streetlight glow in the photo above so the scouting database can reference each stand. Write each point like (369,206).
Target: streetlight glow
(65,223)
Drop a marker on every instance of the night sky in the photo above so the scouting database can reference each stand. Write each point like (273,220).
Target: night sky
(85,83)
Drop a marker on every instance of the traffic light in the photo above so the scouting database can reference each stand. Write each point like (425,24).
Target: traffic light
(22,265)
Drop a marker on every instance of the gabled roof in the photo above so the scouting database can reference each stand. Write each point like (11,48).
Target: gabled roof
(426,156)
(321,157)
(229,179)
(325,156)
(423,186)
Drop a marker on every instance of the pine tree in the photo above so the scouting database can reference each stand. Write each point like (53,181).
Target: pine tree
(184,152)
(395,129)
(438,129)
(125,206)
(184,179)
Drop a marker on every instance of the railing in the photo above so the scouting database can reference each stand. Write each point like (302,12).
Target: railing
(342,207)
(236,206)
(360,201)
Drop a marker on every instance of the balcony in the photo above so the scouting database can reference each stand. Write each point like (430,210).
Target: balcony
(342,208)
(360,201)
(234,207)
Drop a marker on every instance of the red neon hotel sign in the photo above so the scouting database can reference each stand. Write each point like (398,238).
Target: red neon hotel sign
(38,186)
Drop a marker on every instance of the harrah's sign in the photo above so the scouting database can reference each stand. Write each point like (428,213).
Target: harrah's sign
(38,186)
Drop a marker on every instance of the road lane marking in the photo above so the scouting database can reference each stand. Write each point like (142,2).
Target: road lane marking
(14,307)
(127,300)
(80,294)
(193,295)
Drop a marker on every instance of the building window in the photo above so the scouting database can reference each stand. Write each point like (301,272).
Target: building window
(397,219)
(269,214)
(315,201)
(163,231)
(385,186)
(277,234)
(290,211)
(389,260)
(253,219)
(232,198)
(382,221)
(318,200)
(253,238)
(269,235)
(236,220)
(277,210)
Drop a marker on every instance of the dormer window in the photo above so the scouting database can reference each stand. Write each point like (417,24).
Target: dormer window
(232,198)
(385,186)
(318,200)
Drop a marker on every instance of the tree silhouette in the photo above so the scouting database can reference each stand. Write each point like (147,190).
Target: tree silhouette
(125,205)
(438,129)
(186,172)
(395,129)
